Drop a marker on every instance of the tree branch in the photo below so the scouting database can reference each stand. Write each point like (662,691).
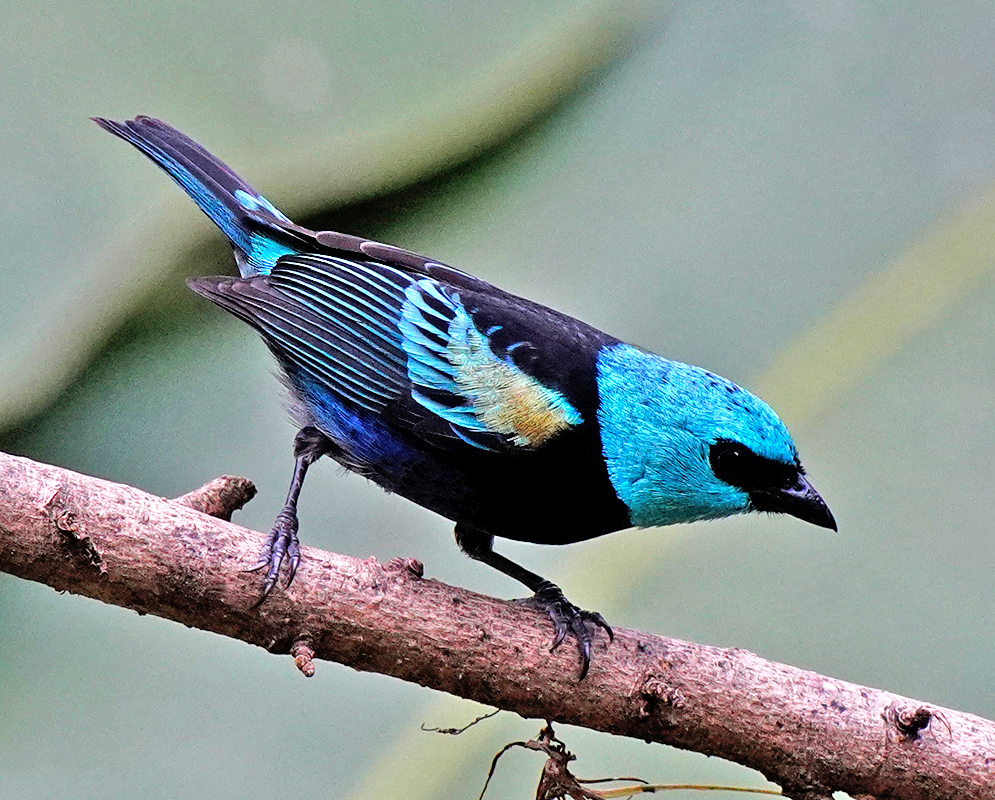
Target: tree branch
(810,734)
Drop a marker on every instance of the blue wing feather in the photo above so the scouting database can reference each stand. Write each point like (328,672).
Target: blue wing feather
(491,403)
(309,349)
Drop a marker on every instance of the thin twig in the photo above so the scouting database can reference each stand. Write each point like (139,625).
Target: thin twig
(458,731)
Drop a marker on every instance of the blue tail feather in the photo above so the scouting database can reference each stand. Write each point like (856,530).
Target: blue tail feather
(259,233)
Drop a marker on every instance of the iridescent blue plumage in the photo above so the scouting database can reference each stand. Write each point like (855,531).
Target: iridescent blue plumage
(658,419)
(447,355)
(507,417)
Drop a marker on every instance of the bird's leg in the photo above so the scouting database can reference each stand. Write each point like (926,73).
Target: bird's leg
(309,445)
(567,618)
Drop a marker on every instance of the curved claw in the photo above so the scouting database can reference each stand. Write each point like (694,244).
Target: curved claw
(281,544)
(567,618)
(294,554)
(597,619)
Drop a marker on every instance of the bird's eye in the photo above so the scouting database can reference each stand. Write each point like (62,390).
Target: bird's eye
(730,462)
(735,464)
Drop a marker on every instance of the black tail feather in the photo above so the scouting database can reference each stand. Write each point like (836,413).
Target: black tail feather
(232,204)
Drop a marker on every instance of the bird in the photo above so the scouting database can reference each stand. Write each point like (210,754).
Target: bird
(511,419)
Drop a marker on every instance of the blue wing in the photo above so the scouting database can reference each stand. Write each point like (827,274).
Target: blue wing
(380,329)
(487,399)
(397,344)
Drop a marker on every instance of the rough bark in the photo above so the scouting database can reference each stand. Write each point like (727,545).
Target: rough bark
(808,733)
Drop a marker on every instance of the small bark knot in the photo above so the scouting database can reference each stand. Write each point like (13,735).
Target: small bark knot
(66,522)
(303,657)
(658,695)
(77,545)
(910,721)
(406,568)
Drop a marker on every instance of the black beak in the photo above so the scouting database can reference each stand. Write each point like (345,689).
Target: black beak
(800,500)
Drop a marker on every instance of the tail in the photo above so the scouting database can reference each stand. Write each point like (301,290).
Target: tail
(259,233)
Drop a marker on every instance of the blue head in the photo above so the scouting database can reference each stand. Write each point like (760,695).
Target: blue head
(682,444)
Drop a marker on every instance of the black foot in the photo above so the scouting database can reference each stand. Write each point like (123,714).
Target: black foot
(567,618)
(280,544)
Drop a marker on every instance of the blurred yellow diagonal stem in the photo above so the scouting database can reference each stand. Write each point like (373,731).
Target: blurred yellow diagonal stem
(813,373)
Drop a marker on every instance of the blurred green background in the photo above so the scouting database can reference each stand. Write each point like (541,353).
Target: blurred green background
(800,196)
